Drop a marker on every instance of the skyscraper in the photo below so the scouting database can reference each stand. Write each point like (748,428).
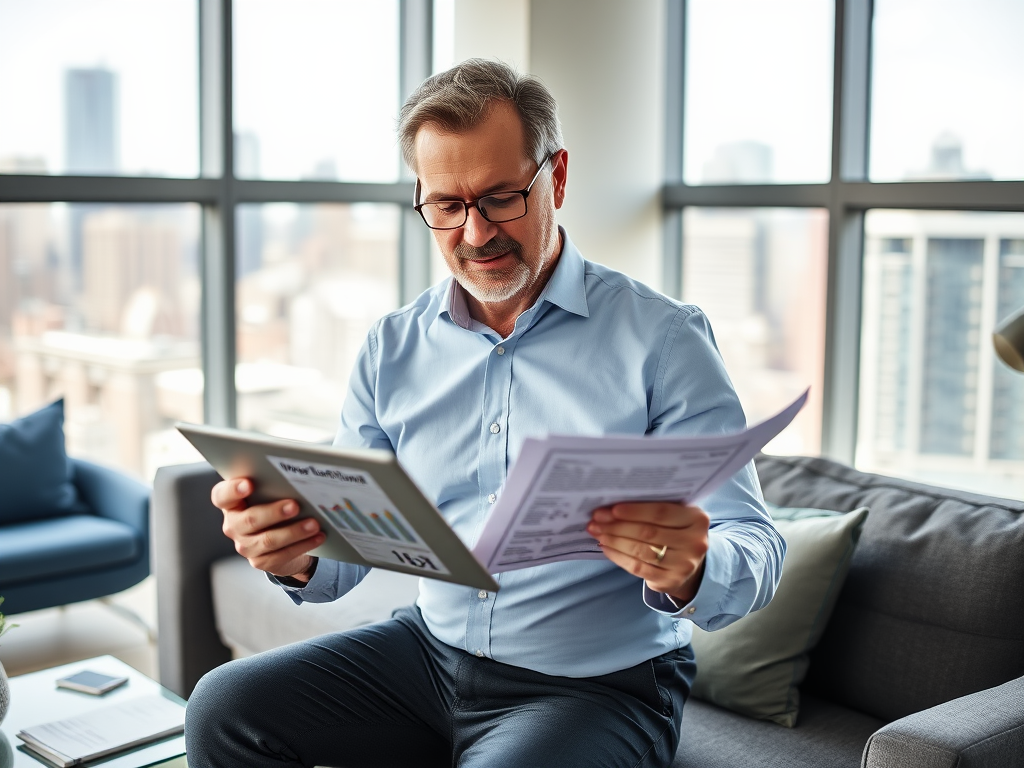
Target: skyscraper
(249,218)
(91,142)
(949,397)
(936,404)
(1007,437)
(91,121)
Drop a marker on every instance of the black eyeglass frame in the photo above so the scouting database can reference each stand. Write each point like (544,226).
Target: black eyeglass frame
(418,206)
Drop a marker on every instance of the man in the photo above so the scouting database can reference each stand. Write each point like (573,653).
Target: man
(571,664)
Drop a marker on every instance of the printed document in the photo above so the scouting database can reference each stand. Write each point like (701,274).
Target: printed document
(557,482)
(105,730)
(362,512)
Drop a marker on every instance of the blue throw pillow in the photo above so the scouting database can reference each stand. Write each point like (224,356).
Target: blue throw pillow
(35,473)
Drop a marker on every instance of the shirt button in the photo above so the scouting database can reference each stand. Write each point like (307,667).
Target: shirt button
(500,350)
(480,653)
(492,498)
(692,609)
(495,428)
(482,594)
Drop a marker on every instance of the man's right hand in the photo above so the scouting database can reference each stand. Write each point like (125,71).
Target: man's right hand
(267,535)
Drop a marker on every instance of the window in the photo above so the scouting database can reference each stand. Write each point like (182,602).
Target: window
(759,276)
(935,403)
(99,88)
(915,184)
(310,281)
(316,89)
(945,93)
(99,304)
(174,282)
(758,91)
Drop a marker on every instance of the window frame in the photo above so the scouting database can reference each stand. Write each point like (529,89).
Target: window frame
(847,196)
(219,192)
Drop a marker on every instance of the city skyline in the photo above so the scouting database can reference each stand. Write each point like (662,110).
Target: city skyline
(102,301)
(784,103)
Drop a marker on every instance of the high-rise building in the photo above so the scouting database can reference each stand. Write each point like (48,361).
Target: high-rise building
(935,402)
(131,269)
(759,276)
(91,121)
(92,143)
(1007,437)
(248,218)
(949,395)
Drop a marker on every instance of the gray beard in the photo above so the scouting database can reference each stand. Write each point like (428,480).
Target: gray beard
(496,287)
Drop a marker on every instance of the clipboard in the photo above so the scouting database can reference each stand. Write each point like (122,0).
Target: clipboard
(371,510)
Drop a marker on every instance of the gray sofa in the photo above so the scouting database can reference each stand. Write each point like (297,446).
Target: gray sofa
(921,664)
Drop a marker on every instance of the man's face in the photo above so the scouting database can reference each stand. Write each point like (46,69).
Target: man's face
(502,262)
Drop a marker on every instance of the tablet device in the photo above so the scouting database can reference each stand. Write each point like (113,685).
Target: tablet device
(370,509)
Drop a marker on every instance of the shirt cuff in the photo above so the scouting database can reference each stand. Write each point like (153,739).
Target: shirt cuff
(319,589)
(713,590)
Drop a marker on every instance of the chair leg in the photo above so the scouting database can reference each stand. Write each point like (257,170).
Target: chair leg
(132,616)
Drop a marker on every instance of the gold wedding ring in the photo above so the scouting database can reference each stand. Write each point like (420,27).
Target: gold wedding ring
(659,554)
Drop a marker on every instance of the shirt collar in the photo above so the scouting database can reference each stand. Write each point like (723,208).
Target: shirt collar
(565,288)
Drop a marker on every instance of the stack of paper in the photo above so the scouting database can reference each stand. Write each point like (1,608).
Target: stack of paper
(105,730)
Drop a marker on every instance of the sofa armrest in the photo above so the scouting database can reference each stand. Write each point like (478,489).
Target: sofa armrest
(186,540)
(982,730)
(113,494)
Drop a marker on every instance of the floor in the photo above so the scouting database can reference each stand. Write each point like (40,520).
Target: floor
(61,635)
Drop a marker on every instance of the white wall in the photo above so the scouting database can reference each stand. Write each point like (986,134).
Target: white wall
(604,61)
(493,29)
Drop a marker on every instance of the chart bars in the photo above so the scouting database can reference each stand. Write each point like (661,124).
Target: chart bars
(351,518)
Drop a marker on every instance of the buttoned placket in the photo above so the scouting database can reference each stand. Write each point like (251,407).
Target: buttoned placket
(497,388)
(492,468)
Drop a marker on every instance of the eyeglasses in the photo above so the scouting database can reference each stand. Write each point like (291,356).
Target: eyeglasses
(497,208)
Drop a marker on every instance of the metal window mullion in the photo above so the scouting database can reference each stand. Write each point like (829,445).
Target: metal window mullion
(850,104)
(675,105)
(104,189)
(218,237)
(416,45)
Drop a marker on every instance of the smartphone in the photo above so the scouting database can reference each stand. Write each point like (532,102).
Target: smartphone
(91,682)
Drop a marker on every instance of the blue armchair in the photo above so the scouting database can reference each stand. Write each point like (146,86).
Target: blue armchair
(96,546)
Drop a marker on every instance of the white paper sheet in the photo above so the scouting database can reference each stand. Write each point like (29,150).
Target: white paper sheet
(557,482)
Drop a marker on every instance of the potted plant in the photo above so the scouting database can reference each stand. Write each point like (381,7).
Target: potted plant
(5,689)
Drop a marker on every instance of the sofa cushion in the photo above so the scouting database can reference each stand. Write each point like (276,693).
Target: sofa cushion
(827,736)
(35,473)
(243,599)
(754,666)
(57,547)
(930,610)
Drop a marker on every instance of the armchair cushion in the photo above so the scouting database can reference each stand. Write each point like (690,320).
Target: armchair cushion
(34,469)
(53,548)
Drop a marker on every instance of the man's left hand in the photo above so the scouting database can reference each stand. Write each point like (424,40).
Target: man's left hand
(634,534)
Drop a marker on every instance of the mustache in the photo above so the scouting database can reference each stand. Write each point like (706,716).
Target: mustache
(491,248)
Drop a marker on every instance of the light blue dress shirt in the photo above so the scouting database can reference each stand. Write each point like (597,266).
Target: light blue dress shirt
(597,354)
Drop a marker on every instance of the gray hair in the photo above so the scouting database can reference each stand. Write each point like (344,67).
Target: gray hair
(458,99)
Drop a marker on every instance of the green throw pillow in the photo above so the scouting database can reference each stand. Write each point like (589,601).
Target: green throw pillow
(754,665)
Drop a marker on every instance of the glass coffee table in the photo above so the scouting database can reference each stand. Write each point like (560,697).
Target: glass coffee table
(36,699)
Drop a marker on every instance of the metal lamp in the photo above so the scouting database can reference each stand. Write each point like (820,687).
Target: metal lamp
(1008,339)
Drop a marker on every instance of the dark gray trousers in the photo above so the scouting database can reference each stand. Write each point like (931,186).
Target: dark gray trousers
(391,694)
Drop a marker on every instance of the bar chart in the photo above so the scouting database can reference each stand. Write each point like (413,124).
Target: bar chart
(350,517)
